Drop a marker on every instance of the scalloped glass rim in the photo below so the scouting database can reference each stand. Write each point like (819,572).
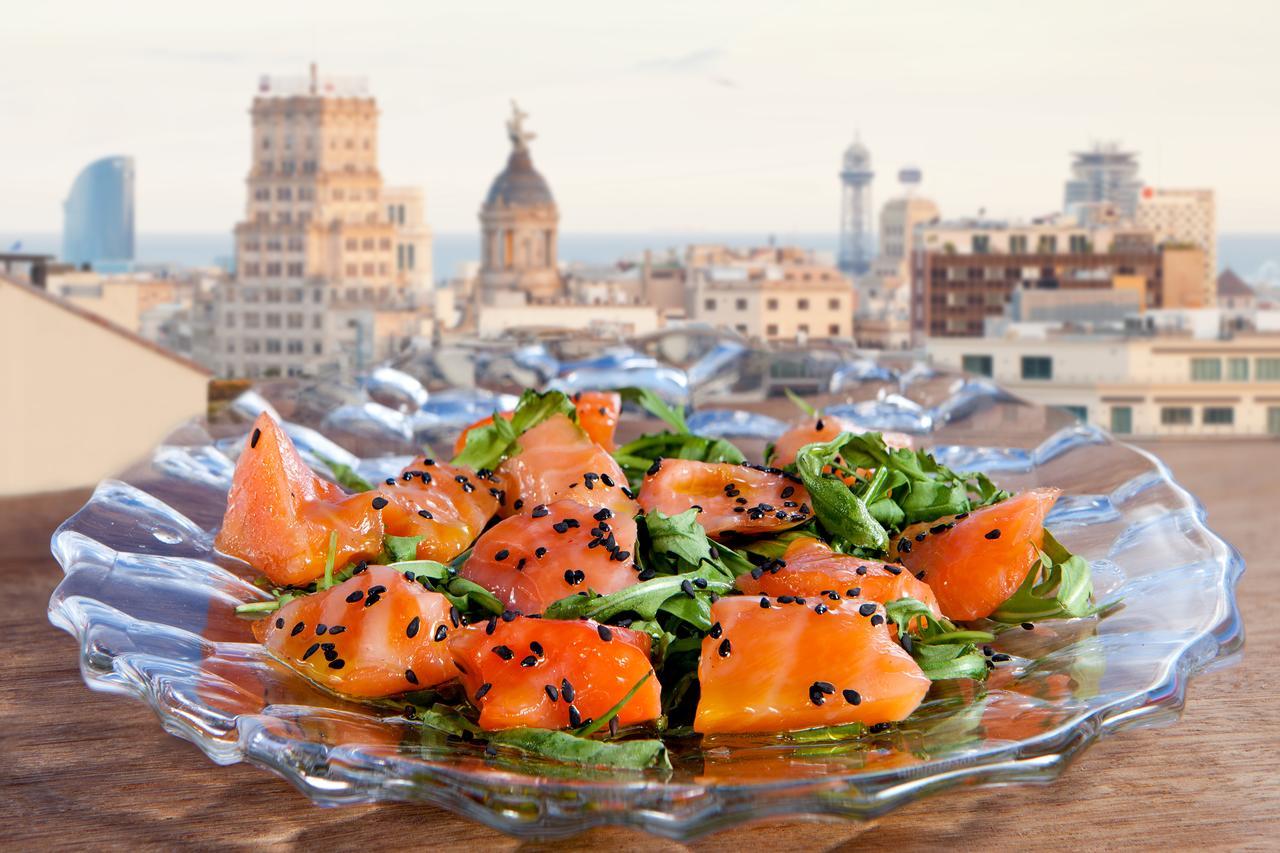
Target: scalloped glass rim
(139,572)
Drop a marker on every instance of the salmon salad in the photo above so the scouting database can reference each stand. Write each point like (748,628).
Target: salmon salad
(551,591)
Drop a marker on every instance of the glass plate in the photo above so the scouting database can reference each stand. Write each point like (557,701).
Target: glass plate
(150,600)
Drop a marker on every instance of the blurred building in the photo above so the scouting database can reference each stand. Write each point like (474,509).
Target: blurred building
(967,271)
(407,210)
(770,294)
(125,300)
(93,404)
(1183,217)
(1171,373)
(98,227)
(1233,293)
(319,287)
(1104,180)
(856,229)
(519,222)
(883,317)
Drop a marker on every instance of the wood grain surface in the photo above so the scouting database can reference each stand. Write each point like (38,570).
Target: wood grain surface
(85,770)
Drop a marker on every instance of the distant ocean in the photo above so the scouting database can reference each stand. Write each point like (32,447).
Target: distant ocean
(1255,257)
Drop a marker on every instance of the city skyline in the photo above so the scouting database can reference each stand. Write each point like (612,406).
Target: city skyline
(694,120)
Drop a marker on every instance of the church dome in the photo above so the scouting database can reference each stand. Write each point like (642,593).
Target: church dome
(519,185)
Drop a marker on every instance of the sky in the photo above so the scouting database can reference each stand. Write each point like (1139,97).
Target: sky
(655,116)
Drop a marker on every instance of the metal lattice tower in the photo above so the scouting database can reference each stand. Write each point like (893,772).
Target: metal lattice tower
(855,209)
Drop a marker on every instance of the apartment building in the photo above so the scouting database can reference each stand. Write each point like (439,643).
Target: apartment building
(770,294)
(407,212)
(1153,380)
(317,253)
(1183,217)
(965,272)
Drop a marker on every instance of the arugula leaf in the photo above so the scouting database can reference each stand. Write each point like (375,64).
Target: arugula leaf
(1058,586)
(488,445)
(940,648)
(800,403)
(841,512)
(636,457)
(679,537)
(422,569)
(656,406)
(401,548)
(467,595)
(446,719)
(597,725)
(329,559)
(572,749)
(346,476)
(644,599)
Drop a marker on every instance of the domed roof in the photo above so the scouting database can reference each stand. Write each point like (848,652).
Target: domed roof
(519,185)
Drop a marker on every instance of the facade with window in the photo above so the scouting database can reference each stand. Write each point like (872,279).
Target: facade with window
(772,295)
(1160,385)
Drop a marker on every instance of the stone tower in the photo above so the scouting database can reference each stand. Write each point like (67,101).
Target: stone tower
(519,221)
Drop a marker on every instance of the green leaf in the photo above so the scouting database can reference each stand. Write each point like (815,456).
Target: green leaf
(345,475)
(940,649)
(800,403)
(488,445)
(644,599)
(841,512)
(597,725)
(1058,586)
(467,596)
(572,749)
(401,548)
(329,559)
(446,719)
(656,406)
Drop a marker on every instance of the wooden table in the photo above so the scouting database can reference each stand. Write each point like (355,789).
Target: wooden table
(84,769)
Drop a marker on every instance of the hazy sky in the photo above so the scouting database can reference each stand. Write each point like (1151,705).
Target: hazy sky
(656,116)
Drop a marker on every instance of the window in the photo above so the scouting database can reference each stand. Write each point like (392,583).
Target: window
(1047,245)
(273,321)
(412,261)
(982,365)
(1080,413)
(980,244)
(294,347)
(1078,244)
(772,304)
(802,304)
(251,346)
(740,304)
(1273,420)
(802,329)
(1238,369)
(833,304)
(317,321)
(771,330)
(251,321)
(1018,244)
(273,345)
(231,320)
(1175,416)
(709,304)
(1122,420)
(317,348)
(741,327)
(1218,416)
(294,320)
(1037,367)
(1267,369)
(1206,369)
(834,330)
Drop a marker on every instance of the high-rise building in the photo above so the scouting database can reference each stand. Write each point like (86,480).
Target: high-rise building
(1183,216)
(318,287)
(1104,184)
(98,214)
(966,272)
(407,210)
(855,210)
(519,224)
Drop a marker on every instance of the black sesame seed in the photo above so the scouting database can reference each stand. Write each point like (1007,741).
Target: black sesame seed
(764,603)
(518,505)
(440,634)
(257,434)
(297,629)
(502,555)
(1028,626)
(280,622)
(529,660)
(566,690)
(877,619)
(604,632)
(603,515)
(852,697)
(716,630)
(552,693)
(687,588)
(786,599)
(893,570)
(861,570)
(483,689)
(575,718)
(337,664)
(725,648)
(455,616)
(426,514)
(510,615)
(379,502)
(788,492)
(607,480)
(992,534)
(503,652)
(700,583)
(877,728)
(540,552)
(938,528)
(653,469)
(560,527)
(867,609)
(410,676)
(904,545)
(414,624)
(536,648)
(988,651)
(962,516)
(1000,657)
(311,650)
(853,593)
(355,596)
(613,727)
(336,629)
(820,609)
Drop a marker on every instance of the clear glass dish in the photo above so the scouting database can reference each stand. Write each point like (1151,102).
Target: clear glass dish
(151,602)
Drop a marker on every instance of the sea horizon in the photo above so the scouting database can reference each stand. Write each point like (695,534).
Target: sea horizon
(1255,256)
